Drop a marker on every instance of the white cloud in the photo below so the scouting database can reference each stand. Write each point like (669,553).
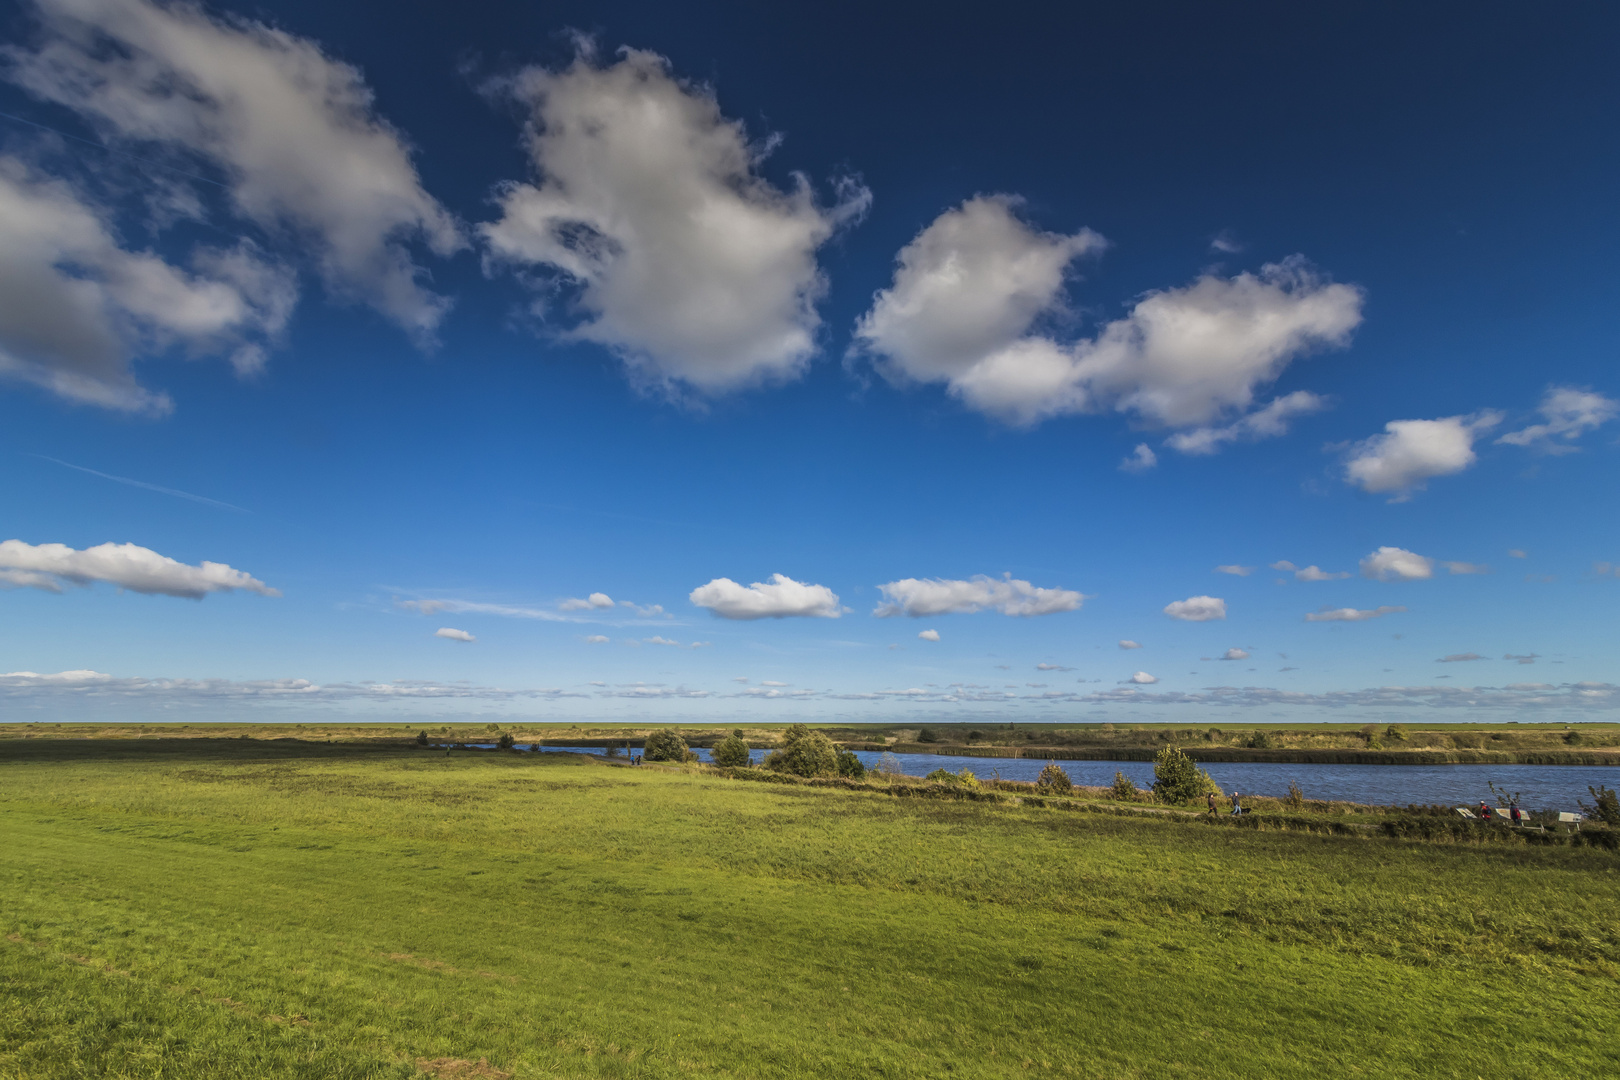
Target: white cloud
(1225,242)
(942,596)
(780,598)
(1528,658)
(1412,451)
(293,131)
(1052,667)
(453,634)
(1352,614)
(1569,413)
(1466,568)
(1235,570)
(138,569)
(971,287)
(597,639)
(595,601)
(1518,553)
(1316,573)
(1127,643)
(772,682)
(690,265)
(1233,654)
(1396,564)
(658,640)
(458,607)
(1284,565)
(1197,609)
(1266,422)
(76,307)
(1457,658)
(1140,460)
(1142,678)
(929,635)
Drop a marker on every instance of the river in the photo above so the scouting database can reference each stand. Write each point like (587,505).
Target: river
(1540,787)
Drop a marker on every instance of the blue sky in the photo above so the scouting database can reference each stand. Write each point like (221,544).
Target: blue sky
(565,328)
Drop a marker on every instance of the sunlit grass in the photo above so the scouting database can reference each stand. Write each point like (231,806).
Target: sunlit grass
(255,909)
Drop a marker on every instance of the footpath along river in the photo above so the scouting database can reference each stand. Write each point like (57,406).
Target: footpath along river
(1541,787)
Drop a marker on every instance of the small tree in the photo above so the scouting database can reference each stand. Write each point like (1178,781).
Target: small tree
(664,746)
(421,737)
(1605,805)
(1053,780)
(927,735)
(849,765)
(1124,788)
(1177,778)
(730,752)
(804,753)
(1296,797)
(888,766)
(506,741)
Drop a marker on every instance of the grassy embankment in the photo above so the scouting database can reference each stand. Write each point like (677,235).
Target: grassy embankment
(261,909)
(1486,744)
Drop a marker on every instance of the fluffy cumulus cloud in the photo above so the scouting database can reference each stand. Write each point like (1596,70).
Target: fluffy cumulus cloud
(1233,654)
(594,602)
(1353,614)
(1139,460)
(292,130)
(51,566)
(453,634)
(688,264)
(1411,452)
(942,596)
(779,598)
(1309,573)
(1568,413)
(76,307)
(1396,564)
(1127,643)
(929,635)
(1197,609)
(971,289)
(1142,678)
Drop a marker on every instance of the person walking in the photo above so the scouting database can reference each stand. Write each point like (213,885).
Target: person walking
(1237,807)
(1212,808)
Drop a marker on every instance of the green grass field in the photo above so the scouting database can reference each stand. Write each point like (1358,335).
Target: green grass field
(265,909)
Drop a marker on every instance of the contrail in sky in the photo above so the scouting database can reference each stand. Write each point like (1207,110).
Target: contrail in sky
(143,484)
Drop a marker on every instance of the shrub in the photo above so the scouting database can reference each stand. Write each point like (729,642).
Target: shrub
(1397,732)
(849,765)
(1295,800)
(664,746)
(1124,788)
(1053,780)
(421,737)
(505,742)
(975,736)
(965,778)
(1605,805)
(806,753)
(610,750)
(1260,740)
(731,752)
(888,767)
(927,735)
(1573,737)
(1177,778)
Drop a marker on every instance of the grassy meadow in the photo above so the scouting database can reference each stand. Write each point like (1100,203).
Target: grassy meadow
(297,908)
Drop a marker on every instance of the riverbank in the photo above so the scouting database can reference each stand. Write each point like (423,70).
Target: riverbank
(1327,756)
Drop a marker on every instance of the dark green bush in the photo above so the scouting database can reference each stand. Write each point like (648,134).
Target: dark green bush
(965,778)
(850,766)
(421,737)
(731,751)
(805,753)
(1177,778)
(505,742)
(1296,797)
(1260,740)
(927,735)
(1396,732)
(1053,780)
(1605,805)
(665,746)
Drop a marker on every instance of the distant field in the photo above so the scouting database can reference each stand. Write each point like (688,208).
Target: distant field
(303,909)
